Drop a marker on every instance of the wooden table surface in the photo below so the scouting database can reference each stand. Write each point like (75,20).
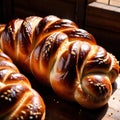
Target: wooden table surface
(58,109)
(113,110)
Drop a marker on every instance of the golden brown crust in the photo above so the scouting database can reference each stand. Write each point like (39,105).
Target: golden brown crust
(17,98)
(60,54)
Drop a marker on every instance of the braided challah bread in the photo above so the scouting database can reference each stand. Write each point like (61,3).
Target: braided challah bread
(61,55)
(18,101)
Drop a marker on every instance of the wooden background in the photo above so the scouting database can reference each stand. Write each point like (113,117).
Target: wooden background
(103,22)
(71,9)
(100,20)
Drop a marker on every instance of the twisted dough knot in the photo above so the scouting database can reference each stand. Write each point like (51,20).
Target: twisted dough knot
(60,54)
(17,99)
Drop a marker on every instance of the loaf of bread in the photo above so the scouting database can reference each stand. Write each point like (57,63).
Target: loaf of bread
(61,55)
(18,101)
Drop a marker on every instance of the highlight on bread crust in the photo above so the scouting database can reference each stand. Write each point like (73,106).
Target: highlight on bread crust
(18,101)
(61,55)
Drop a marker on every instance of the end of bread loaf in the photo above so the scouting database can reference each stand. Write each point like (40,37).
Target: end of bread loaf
(85,74)
(94,92)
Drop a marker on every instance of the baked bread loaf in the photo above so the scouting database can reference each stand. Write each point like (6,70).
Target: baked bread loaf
(61,55)
(18,101)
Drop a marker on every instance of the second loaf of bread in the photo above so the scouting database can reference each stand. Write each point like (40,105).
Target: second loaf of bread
(18,100)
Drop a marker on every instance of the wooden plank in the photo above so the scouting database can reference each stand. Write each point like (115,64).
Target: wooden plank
(72,9)
(69,9)
(115,2)
(109,20)
(54,7)
(103,1)
(110,2)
